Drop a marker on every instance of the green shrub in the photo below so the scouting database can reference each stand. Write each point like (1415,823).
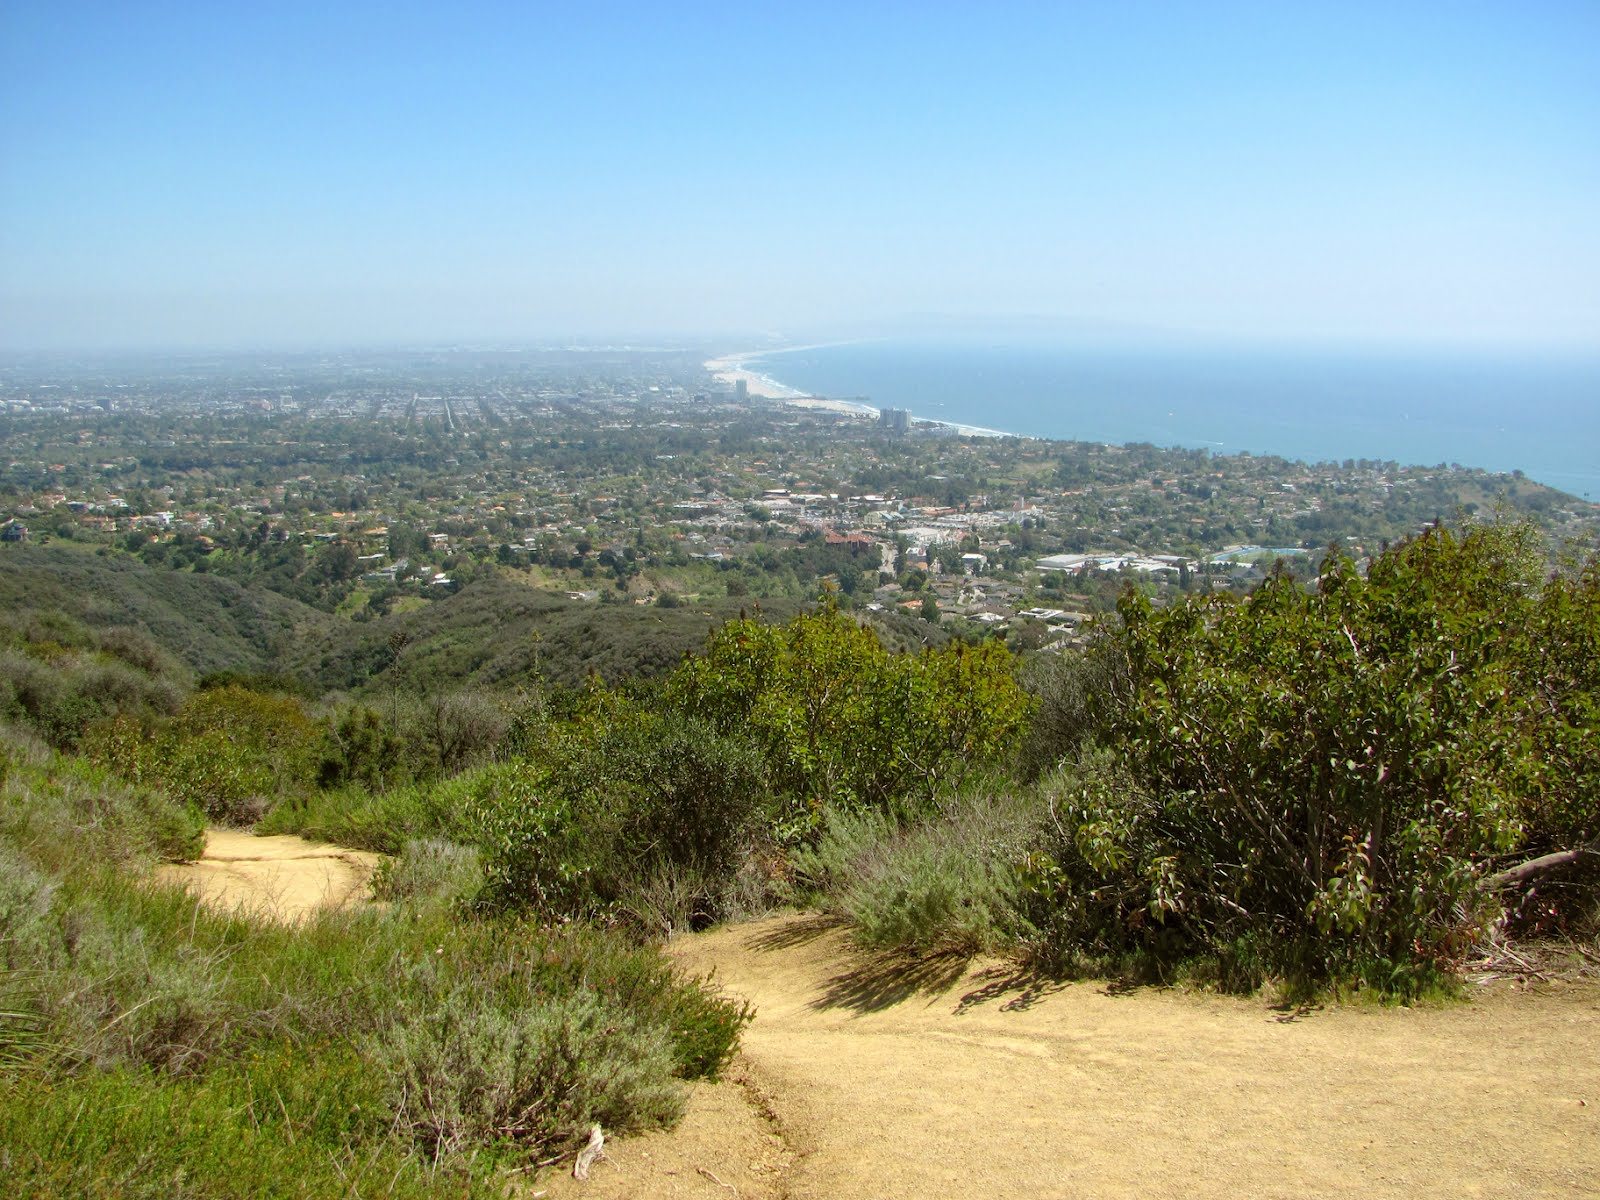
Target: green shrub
(460,1073)
(360,749)
(840,720)
(1068,689)
(625,812)
(218,775)
(429,871)
(947,883)
(229,752)
(1324,778)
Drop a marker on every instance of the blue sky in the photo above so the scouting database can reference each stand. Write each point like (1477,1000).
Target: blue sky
(178,174)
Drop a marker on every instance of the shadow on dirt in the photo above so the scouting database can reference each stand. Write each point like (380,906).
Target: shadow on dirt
(795,933)
(1013,989)
(882,982)
(1290,1013)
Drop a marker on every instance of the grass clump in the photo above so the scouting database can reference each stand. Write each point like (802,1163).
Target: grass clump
(290,1121)
(381,821)
(429,871)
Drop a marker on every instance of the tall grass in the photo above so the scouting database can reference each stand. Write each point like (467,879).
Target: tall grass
(383,821)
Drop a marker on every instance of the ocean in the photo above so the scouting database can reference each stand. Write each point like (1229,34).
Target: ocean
(1539,414)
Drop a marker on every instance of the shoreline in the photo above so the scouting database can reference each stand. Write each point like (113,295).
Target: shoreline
(731,369)
(1376,397)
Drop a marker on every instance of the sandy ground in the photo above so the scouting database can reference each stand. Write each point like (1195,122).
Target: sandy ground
(281,877)
(863,1078)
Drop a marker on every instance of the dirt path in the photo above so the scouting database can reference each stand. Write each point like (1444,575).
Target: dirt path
(282,877)
(862,1079)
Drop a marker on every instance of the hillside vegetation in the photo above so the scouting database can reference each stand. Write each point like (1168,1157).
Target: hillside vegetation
(152,1048)
(496,632)
(1353,785)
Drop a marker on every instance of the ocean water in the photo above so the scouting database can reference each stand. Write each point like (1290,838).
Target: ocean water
(1539,414)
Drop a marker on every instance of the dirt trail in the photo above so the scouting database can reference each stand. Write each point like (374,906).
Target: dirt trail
(863,1079)
(282,877)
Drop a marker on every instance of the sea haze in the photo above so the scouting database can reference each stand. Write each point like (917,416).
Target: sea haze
(1537,413)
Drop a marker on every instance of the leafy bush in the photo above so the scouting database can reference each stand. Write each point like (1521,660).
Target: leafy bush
(1548,740)
(230,752)
(1322,777)
(842,721)
(1067,690)
(615,803)
(360,748)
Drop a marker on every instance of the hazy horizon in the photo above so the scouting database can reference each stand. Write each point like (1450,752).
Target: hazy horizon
(1387,175)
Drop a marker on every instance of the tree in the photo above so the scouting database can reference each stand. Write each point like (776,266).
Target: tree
(841,720)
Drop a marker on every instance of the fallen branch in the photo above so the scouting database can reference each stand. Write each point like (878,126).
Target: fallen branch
(586,1157)
(1535,867)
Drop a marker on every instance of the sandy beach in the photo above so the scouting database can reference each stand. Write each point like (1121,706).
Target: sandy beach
(731,368)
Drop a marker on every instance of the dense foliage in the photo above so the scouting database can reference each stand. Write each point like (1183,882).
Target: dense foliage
(667,808)
(621,813)
(844,722)
(1316,783)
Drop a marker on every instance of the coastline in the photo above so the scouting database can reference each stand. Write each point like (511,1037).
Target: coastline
(732,368)
(1407,406)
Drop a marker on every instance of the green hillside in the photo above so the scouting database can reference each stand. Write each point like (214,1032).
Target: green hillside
(209,623)
(496,632)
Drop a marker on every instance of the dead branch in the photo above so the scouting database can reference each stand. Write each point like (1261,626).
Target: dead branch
(717,1181)
(586,1157)
(1535,867)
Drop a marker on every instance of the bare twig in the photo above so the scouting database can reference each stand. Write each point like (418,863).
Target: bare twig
(717,1181)
(1352,640)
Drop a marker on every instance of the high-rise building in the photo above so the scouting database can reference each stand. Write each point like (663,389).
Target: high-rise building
(741,390)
